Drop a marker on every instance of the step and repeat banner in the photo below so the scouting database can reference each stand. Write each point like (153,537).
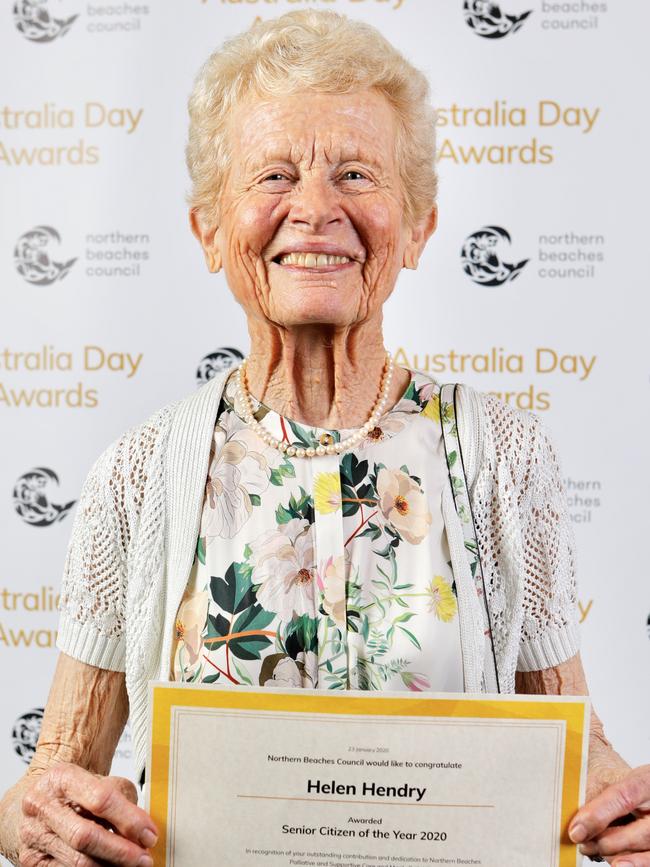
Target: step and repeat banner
(534,286)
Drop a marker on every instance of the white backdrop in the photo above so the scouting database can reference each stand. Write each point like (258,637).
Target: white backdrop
(543,137)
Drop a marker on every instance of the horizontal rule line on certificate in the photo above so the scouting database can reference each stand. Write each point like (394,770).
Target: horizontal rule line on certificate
(371,803)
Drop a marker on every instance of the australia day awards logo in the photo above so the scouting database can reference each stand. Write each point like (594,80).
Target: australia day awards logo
(32,257)
(35,21)
(32,498)
(487,20)
(25,733)
(481,260)
(216,362)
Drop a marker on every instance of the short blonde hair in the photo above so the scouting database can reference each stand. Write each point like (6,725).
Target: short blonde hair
(309,50)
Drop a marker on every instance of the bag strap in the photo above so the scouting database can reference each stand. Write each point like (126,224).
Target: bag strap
(462,502)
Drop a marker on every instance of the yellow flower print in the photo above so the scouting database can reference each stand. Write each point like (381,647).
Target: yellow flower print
(432,409)
(327,493)
(443,601)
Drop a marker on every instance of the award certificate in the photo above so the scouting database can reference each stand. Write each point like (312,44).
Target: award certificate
(252,777)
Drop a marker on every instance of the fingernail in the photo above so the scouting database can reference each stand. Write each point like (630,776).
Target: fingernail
(148,838)
(577,833)
(145,861)
(624,864)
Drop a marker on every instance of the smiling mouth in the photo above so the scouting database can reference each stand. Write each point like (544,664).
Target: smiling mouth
(311,260)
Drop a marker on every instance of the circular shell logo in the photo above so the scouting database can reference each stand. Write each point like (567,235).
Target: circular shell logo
(215,362)
(25,733)
(34,20)
(32,498)
(32,258)
(487,20)
(481,260)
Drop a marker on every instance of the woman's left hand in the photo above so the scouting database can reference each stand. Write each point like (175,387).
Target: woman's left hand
(622,845)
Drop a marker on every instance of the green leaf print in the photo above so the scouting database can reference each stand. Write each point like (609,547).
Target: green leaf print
(299,434)
(255,499)
(353,471)
(200,550)
(254,617)
(212,678)
(301,508)
(282,515)
(372,531)
(242,674)
(276,478)
(218,626)
(350,504)
(453,457)
(353,618)
(250,647)
(301,634)
(411,637)
(234,593)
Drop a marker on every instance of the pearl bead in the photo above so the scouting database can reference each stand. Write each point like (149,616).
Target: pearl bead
(243,397)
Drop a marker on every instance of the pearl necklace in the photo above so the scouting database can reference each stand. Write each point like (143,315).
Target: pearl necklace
(241,393)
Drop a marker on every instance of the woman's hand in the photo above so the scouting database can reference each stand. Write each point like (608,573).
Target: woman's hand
(615,793)
(622,845)
(66,810)
(69,814)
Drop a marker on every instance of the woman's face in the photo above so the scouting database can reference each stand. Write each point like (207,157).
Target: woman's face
(312,226)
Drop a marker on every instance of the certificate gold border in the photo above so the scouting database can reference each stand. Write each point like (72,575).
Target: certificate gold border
(164,697)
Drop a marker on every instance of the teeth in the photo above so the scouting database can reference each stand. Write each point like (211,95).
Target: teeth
(312,260)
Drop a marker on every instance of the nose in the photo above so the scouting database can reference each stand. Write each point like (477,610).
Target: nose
(315,204)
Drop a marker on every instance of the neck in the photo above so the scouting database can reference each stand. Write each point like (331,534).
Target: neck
(320,376)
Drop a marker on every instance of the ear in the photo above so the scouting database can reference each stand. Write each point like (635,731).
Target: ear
(418,237)
(207,238)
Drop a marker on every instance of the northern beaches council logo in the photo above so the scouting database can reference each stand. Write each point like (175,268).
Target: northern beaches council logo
(32,257)
(487,20)
(32,498)
(25,733)
(37,24)
(482,261)
(215,362)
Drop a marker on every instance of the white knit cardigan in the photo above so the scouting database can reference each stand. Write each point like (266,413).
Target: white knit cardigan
(137,523)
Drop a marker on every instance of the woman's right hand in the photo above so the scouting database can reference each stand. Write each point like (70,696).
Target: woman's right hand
(74,818)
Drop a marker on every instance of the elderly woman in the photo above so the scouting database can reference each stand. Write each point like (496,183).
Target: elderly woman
(292,524)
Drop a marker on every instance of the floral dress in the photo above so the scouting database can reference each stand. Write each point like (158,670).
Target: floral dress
(332,572)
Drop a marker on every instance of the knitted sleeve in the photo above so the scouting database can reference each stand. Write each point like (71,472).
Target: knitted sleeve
(91,625)
(123,490)
(550,632)
(525,537)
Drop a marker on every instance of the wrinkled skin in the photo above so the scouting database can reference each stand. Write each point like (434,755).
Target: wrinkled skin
(319,169)
(614,791)
(85,716)
(61,811)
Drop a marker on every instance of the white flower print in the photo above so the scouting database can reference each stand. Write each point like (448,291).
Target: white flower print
(301,672)
(283,564)
(241,469)
(403,504)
